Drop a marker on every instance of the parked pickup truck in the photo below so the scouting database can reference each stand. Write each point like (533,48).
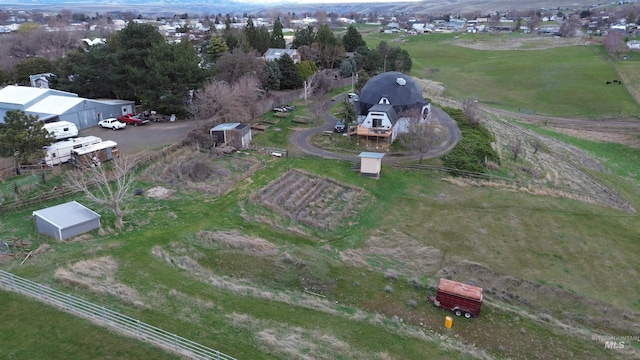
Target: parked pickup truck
(132,119)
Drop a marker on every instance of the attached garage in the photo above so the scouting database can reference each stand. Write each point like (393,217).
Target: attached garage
(66,220)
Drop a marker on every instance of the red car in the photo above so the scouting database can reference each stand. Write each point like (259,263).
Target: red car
(132,119)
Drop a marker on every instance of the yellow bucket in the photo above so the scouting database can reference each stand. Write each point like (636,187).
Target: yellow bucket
(448,322)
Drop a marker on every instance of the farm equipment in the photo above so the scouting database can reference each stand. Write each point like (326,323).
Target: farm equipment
(460,298)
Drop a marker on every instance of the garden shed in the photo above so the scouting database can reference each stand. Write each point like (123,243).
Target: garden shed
(235,134)
(66,220)
(370,163)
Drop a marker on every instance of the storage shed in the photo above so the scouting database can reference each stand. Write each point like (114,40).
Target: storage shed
(234,134)
(66,220)
(370,163)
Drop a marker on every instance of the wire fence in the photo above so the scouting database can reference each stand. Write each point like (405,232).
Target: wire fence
(109,318)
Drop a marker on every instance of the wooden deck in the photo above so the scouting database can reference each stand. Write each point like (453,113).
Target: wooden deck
(370,132)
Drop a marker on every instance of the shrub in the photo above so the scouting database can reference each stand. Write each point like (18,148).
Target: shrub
(474,149)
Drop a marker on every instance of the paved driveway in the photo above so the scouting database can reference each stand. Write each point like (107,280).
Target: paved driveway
(301,139)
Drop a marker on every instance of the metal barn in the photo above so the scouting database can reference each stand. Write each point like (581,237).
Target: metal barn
(66,220)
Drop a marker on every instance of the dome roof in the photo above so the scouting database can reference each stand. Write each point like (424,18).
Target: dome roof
(401,90)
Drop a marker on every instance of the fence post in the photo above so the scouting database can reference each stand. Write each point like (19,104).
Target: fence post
(13,282)
(40,292)
(104,315)
(69,302)
(175,341)
(139,335)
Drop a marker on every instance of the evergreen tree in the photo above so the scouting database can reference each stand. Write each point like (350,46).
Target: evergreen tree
(304,36)
(216,48)
(262,43)
(32,66)
(352,39)
(229,38)
(251,34)
(270,79)
(277,38)
(290,76)
(23,136)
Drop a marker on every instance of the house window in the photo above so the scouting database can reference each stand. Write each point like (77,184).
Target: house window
(377,122)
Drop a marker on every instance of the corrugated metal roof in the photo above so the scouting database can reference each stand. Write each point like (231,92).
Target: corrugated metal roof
(20,94)
(67,214)
(372,155)
(225,126)
(54,104)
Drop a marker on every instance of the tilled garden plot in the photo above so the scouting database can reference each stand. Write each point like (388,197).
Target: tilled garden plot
(309,199)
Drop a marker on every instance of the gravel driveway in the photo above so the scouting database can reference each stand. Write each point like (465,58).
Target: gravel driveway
(135,139)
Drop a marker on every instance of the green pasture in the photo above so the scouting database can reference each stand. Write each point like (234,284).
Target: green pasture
(561,81)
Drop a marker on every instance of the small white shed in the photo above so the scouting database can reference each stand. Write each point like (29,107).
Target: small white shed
(370,163)
(66,220)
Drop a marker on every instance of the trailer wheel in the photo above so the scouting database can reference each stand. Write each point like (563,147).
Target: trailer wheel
(457,312)
(468,315)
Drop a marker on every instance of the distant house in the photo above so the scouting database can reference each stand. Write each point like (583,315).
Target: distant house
(274,54)
(633,45)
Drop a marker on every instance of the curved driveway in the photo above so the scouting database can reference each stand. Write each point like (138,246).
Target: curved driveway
(301,139)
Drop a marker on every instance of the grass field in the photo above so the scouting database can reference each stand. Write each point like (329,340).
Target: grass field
(252,270)
(560,81)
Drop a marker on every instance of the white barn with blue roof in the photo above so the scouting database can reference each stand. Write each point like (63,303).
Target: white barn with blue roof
(54,105)
(66,220)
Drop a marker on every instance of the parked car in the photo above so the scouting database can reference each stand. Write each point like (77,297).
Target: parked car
(111,123)
(132,119)
(340,127)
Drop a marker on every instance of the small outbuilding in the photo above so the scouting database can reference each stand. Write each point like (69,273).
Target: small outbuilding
(235,134)
(66,220)
(370,163)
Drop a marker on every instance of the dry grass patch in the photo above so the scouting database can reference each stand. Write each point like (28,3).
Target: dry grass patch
(233,239)
(519,42)
(98,276)
(286,341)
(205,171)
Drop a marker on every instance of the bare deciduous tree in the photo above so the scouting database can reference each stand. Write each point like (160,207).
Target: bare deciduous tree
(108,186)
(614,42)
(220,102)
(471,111)
(421,135)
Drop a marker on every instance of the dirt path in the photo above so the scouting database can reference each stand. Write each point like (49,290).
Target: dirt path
(620,130)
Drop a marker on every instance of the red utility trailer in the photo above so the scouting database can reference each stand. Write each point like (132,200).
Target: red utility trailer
(462,299)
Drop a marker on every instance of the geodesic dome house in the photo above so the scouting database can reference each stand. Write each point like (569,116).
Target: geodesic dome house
(394,88)
(383,104)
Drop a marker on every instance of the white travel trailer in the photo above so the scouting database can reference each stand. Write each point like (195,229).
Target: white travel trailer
(60,152)
(94,155)
(62,129)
